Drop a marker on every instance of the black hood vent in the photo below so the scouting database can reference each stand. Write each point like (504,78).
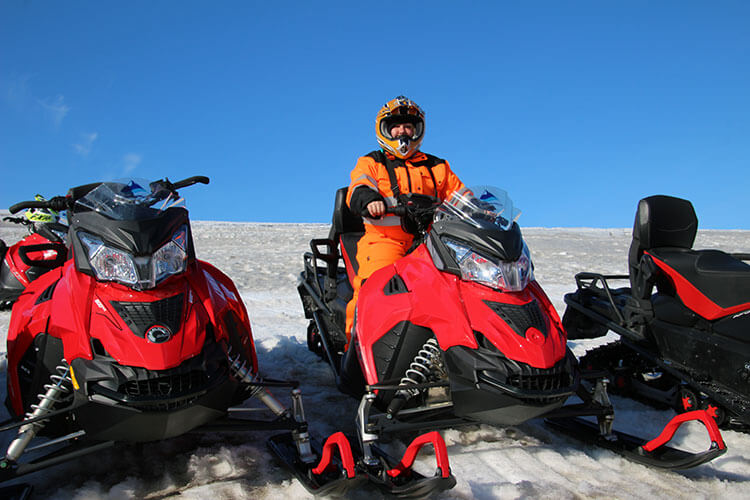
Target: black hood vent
(521,318)
(140,316)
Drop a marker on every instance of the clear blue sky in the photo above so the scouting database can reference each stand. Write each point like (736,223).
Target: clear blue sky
(577,108)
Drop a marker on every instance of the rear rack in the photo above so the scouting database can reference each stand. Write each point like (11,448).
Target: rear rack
(588,281)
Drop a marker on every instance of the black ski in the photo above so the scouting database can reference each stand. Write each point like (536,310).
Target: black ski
(653,453)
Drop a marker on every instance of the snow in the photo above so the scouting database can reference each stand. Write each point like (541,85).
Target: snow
(524,461)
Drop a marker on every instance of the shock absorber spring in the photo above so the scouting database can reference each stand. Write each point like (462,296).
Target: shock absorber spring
(241,370)
(55,392)
(428,359)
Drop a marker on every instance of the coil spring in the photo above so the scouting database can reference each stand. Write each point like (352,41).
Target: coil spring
(419,370)
(240,367)
(54,392)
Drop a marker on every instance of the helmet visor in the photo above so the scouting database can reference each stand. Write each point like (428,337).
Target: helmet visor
(391,121)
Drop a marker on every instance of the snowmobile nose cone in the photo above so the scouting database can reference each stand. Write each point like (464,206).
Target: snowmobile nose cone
(535,336)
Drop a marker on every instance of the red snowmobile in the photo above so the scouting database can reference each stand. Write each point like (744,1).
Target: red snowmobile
(133,339)
(683,322)
(41,250)
(458,331)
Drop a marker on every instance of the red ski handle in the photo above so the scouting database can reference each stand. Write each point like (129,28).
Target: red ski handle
(337,440)
(668,433)
(441,454)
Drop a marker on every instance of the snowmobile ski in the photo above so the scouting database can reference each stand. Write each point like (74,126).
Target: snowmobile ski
(653,453)
(334,474)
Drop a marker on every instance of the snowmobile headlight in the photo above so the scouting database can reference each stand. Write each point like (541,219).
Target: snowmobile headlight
(511,276)
(142,272)
(109,264)
(171,258)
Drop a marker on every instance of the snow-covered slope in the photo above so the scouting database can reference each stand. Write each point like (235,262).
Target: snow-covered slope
(526,461)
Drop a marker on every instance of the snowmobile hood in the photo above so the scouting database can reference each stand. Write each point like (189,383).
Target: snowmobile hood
(155,329)
(523,326)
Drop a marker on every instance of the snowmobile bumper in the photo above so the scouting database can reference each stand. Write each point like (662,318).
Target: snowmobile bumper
(110,416)
(123,403)
(504,392)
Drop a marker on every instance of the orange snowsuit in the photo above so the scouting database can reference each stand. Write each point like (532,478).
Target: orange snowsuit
(384,240)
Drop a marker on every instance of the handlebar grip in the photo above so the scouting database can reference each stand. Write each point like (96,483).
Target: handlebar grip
(26,204)
(57,203)
(196,179)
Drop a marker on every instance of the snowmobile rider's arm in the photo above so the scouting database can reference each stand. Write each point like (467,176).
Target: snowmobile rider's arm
(361,199)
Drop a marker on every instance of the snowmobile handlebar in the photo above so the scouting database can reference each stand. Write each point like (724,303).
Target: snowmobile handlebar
(58,203)
(421,205)
(174,186)
(196,179)
(399,210)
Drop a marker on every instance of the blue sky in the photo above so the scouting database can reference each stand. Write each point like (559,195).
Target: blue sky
(578,109)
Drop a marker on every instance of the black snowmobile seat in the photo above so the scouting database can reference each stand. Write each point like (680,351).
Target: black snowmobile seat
(346,228)
(717,275)
(665,227)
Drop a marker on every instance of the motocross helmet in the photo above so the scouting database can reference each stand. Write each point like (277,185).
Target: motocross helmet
(41,214)
(396,111)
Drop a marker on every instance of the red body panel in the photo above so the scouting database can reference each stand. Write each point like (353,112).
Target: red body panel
(693,298)
(80,309)
(453,309)
(17,266)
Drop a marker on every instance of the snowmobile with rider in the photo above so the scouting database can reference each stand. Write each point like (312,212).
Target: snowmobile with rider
(35,254)
(133,339)
(683,322)
(459,332)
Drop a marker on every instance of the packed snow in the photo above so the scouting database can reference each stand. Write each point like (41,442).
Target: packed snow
(524,461)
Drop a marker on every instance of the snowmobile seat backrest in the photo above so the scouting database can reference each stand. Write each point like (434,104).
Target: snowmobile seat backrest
(661,221)
(346,228)
(344,221)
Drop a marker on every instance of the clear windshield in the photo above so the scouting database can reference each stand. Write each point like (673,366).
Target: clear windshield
(481,206)
(129,199)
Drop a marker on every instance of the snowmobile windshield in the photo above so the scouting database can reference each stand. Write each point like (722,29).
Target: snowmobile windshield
(129,199)
(483,206)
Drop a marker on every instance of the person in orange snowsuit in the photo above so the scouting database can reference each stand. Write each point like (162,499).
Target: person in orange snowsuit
(380,177)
